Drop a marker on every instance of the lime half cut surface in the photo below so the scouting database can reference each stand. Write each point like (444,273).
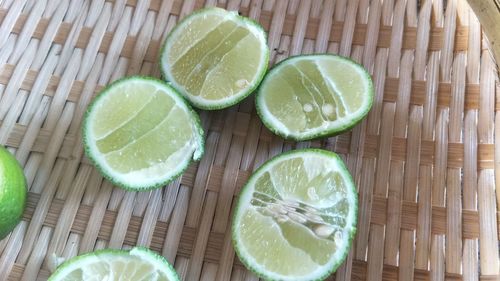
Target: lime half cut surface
(311,96)
(140,133)
(215,58)
(296,216)
(138,264)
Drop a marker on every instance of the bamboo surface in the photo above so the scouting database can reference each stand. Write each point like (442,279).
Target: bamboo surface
(426,159)
(488,13)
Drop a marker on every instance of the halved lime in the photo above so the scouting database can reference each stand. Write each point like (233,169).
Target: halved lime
(215,58)
(312,96)
(12,192)
(296,216)
(138,264)
(140,133)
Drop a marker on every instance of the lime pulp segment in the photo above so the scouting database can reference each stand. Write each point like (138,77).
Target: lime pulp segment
(215,58)
(138,264)
(311,96)
(296,216)
(141,133)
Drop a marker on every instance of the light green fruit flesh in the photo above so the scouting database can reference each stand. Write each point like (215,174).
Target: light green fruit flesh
(296,219)
(145,131)
(311,95)
(140,133)
(136,265)
(216,55)
(129,268)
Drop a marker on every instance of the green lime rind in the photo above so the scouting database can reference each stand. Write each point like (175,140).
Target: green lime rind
(12,192)
(235,98)
(248,188)
(198,153)
(342,128)
(159,261)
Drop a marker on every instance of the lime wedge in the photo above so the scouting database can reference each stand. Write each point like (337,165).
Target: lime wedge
(215,58)
(141,134)
(138,264)
(296,216)
(312,96)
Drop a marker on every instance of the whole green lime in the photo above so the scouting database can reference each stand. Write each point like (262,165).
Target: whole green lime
(12,192)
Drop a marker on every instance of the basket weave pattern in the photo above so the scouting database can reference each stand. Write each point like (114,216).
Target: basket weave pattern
(426,160)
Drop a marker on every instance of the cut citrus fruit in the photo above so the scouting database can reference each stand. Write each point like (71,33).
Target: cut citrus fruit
(215,58)
(140,133)
(296,216)
(138,264)
(12,192)
(312,96)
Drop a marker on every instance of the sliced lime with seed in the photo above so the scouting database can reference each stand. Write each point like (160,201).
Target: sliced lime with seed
(312,96)
(296,216)
(215,58)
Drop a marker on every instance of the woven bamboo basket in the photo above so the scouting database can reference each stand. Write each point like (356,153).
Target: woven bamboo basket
(426,160)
